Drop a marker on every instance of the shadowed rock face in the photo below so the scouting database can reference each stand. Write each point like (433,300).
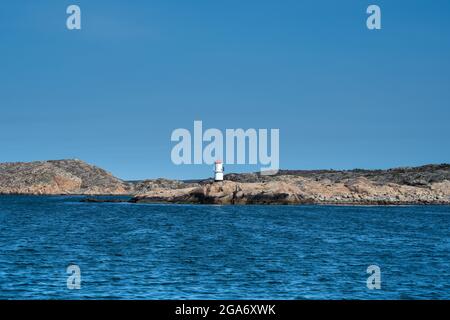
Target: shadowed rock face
(227,192)
(58,177)
(151,184)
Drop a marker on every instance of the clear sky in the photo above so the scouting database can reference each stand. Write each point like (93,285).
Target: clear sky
(112,93)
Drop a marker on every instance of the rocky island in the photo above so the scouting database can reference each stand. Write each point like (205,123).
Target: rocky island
(422,185)
(59,177)
(429,184)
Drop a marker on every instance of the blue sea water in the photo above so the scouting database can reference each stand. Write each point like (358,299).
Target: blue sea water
(142,251)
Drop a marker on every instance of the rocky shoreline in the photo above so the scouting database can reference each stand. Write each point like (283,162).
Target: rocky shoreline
(300,191)
(428,184)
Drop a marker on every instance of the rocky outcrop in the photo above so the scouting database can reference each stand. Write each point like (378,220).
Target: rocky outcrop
(152,184)
(227,192)
(420,185)
(59,177)
(423,185)
(413,176)
(72,177)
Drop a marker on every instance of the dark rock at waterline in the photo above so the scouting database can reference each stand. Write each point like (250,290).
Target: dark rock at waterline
(104,200)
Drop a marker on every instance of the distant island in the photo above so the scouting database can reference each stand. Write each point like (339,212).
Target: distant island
(429,184)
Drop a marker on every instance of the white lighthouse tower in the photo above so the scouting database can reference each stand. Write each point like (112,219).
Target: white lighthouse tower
(218,171)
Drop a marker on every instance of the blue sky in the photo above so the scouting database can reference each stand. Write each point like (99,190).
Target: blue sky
(112,93)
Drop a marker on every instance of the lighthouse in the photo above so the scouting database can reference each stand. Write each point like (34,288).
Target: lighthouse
(218,171)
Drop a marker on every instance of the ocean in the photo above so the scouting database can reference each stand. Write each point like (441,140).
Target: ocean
(152,251)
